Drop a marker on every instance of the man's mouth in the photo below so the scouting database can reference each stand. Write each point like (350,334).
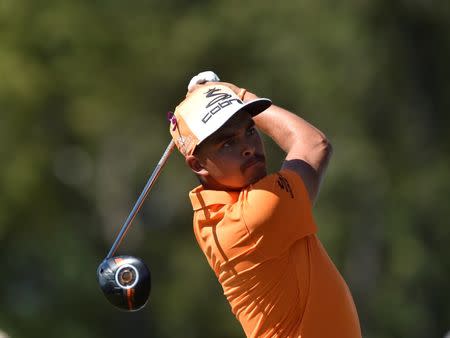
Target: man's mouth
(257,159)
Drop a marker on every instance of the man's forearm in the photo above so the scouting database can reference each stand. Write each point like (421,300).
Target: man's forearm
(295,136)
(307,148)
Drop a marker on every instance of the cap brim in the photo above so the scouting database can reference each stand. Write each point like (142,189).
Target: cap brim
(256,106)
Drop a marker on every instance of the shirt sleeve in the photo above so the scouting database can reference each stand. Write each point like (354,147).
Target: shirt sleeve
(277,212)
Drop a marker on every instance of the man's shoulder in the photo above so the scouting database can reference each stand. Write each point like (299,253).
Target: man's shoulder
(279,195)
(202,198)
(284,183)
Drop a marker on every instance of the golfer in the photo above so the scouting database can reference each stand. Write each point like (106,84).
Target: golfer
(255,228)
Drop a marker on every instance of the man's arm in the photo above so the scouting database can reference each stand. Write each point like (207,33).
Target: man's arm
(307,148)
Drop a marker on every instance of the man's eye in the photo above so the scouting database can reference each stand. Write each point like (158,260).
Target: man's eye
(227,143)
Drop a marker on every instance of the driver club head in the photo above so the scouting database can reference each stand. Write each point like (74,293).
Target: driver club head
(125,281)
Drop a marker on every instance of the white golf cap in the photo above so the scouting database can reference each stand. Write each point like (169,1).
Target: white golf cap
(204,111)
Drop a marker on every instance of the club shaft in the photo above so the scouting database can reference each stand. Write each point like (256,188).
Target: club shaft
(137,206)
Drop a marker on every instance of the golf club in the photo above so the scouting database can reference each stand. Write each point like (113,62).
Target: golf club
(126,280)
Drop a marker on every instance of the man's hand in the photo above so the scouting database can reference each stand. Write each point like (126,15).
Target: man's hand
(210,77)
(202,77)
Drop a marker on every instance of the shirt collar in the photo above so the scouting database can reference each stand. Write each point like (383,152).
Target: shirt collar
(201,198)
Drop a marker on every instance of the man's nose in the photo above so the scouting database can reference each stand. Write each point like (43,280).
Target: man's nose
(249,150)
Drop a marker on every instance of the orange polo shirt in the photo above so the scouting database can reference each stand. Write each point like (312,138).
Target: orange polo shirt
(261,243)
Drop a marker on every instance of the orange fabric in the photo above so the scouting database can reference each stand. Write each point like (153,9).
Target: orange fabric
(261,243)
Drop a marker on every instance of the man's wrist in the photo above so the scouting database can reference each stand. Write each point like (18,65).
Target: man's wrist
(248,96)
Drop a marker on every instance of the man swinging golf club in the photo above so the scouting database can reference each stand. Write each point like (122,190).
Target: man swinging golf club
(257,229)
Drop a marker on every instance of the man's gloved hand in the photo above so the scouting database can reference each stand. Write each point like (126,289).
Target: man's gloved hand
(209,76)
(202,77)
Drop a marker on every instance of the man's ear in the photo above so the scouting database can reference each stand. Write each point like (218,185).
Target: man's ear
(194,163)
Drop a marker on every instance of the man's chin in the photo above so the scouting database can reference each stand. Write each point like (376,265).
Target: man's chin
(258,175)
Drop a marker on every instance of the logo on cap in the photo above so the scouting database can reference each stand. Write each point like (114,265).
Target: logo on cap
(184,143)
(219,100)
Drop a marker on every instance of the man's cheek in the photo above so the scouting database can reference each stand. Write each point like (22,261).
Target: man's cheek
(225,165)
(216,167)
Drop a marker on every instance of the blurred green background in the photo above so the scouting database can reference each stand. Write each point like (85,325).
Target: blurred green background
(84,91)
